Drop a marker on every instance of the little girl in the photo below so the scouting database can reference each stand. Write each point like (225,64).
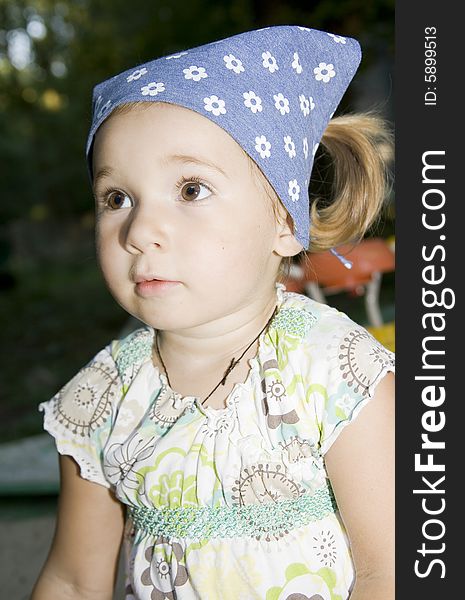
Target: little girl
(213,441)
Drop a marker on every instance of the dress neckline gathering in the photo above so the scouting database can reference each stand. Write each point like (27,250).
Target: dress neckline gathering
(253,362)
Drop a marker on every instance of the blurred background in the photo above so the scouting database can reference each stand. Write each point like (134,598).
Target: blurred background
(54,308)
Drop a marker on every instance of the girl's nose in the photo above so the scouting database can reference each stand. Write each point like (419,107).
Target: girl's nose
(146,226)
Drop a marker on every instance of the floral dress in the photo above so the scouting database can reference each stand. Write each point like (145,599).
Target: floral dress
(230,503)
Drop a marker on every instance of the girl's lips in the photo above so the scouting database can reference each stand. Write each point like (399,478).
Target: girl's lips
(155,287)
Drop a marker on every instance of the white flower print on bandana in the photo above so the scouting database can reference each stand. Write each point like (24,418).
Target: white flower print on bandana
(339,39)
(305,147)
(195,73)
(263,146)
(304,105)
(233,63)
(152,89)
(100,110)
(294,190)
(324,72)
(136,74)
(269,62)
(281,103)
(289,146)
(175,55)
(296,63)
(252,101)
(315,148)
(215,105)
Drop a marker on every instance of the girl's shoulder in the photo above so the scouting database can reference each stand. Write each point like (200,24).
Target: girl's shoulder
(82,413)
(329,365)
(323,329)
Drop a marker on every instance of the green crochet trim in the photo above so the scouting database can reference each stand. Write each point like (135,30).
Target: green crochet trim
(252,520)
(134,350)
(294,321)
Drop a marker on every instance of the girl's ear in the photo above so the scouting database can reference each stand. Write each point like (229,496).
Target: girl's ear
(285,243)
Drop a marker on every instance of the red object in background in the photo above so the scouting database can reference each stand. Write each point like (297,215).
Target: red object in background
(372,255)
(324,274)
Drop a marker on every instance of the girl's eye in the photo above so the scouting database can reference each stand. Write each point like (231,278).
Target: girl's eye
(113,199)
(191,189)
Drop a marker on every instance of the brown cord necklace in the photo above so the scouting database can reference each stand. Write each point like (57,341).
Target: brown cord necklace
(232,364)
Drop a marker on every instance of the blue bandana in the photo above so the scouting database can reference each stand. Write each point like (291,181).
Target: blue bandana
(272,89)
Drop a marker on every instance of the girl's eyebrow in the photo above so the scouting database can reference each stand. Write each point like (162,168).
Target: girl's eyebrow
(184,158)
(102,173)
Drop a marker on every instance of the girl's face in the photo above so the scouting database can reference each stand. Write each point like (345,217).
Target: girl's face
(176,201)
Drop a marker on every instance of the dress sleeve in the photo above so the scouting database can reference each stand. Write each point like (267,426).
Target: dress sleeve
(80,415)
(358,364)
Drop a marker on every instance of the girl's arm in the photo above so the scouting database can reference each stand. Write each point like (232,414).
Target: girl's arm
(83,559)
(360,465)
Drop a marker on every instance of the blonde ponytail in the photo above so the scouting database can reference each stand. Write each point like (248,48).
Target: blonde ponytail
(360,148)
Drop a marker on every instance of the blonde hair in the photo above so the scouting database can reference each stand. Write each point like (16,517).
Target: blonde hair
(357,150)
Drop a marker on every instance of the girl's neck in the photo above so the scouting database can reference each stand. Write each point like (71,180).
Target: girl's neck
(215,343)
